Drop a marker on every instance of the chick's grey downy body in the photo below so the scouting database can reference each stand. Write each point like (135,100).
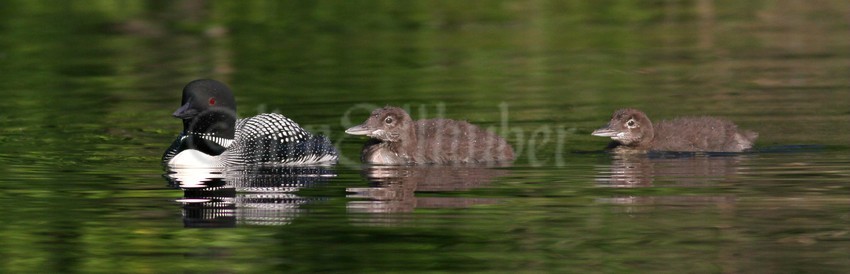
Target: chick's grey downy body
(398,140)
(631,129)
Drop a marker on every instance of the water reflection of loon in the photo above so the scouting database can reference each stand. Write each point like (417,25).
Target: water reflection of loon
(256,196)
(392,188)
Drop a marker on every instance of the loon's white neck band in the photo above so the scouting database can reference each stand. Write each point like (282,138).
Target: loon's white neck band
(224,142)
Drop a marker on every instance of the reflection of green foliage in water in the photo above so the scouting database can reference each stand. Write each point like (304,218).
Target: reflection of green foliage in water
(88,87)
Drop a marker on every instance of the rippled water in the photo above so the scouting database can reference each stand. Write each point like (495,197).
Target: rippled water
(88,88)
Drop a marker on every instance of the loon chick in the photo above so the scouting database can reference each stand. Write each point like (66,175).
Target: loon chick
(212,136)
(631,129)
(398,140)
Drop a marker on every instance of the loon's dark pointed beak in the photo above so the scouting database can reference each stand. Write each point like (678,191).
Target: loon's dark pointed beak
(605,131)
(185,112)
(358,130)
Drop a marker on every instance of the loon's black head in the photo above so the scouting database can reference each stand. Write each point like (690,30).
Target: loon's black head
(388,124)
(208,110)
(205,95)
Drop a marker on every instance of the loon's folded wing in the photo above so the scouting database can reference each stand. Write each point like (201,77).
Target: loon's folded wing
(274,139)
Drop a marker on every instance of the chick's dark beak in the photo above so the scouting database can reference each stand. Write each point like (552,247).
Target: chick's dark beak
(605,131)
(359,130)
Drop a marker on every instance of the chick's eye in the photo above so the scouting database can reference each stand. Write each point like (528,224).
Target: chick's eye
(388,120)
(631,123)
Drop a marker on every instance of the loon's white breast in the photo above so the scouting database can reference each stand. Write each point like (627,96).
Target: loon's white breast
(193,158)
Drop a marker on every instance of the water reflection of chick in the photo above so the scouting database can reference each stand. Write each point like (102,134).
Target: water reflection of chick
(680,169)
(393,188)
(673,169)
(257,196)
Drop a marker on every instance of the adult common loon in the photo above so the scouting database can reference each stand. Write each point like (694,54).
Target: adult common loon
(213,137)
(632,130)
(398,140)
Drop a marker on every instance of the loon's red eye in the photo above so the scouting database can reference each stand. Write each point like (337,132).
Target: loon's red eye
(212,101)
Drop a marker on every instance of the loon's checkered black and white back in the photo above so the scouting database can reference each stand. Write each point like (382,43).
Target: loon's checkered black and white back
(265,139)
(272,138)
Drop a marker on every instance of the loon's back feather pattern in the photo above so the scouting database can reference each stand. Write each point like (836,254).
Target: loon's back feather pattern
(273,138)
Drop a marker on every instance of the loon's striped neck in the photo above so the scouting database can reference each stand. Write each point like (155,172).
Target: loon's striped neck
(207,143)
(211,131)
(221,141)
